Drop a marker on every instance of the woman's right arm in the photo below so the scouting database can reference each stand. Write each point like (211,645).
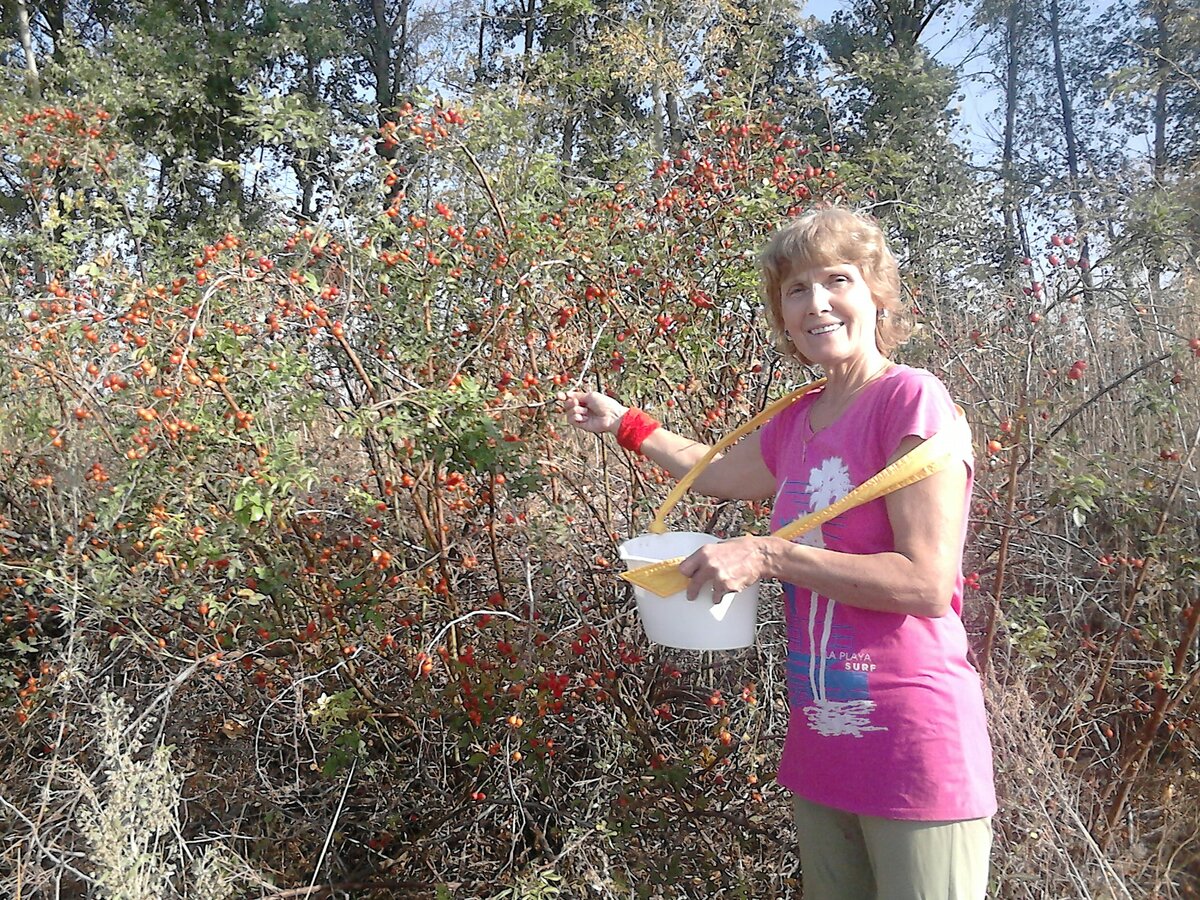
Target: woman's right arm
(737,474)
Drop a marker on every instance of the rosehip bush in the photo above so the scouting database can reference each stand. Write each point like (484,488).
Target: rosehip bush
(308,489)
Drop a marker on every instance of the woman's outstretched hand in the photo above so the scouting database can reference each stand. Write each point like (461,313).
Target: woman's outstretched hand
(592,411)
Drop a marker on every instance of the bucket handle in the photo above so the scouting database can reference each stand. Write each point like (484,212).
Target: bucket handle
(658,525)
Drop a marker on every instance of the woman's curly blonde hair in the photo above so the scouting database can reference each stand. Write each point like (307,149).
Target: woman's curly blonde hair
(827,237)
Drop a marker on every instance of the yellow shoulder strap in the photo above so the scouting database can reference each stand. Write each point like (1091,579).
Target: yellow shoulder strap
(664,578)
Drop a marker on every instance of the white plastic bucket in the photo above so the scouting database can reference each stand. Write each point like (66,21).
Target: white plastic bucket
(689,625)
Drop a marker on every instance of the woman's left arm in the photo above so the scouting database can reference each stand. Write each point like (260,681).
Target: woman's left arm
(917,578)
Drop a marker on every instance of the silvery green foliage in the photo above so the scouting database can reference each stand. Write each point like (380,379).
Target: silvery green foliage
(130,820)
(131,814)
(215,874)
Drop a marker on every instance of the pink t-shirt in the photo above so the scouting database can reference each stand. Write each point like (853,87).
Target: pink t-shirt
(887,715)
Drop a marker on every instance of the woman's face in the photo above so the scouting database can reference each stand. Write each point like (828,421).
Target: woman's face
(830,314)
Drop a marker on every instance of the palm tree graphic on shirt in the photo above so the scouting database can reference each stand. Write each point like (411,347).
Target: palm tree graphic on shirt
(829,483)
(839,702)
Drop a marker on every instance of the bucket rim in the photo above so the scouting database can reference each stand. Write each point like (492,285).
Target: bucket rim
(706,538)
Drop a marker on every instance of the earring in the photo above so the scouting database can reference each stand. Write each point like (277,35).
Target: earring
(883,314)
(787,334)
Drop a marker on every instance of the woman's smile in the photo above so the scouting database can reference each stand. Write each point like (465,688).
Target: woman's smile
(825,329)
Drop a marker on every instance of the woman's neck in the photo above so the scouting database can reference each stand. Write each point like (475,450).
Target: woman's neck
(846,380)
(843,386)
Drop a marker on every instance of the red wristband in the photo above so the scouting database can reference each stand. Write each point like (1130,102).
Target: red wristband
(635,427)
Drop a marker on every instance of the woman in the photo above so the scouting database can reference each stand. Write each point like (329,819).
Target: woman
(887,753)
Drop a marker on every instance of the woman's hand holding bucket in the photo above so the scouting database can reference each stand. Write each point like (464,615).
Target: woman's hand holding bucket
(729,566)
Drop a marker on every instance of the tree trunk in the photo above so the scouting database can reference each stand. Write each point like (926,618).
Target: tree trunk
(381,56)
(307,192)
(530,12)
(398,47)
(1158,163)
(570,127)
(571,116)
(33,85)
(33,81)
(305,164)
(1012,38)
(906,20)
(387,45)
(483,17)
(1162,90)
(903,24)
(673,121)
(658,133)
(1068,119)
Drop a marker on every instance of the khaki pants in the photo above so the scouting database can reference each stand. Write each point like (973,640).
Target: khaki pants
(848,857)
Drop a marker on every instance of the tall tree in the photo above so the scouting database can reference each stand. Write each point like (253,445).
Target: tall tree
(569,55)
(1074,173)
(1008,20)
(1153,84)
(380,32)
(1060,145)
(1154,59)
(892,104)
